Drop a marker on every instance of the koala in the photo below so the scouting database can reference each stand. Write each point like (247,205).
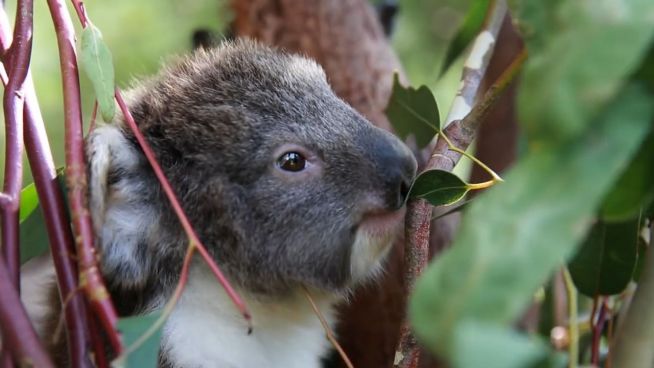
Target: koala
(287,186)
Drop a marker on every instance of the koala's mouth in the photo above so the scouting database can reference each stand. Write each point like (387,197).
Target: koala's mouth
(383,224)
(373,239)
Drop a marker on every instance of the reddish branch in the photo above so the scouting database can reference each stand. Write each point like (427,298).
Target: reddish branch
(19,335)
(53,207)
(597,329)
(461,132)
(194,240)
(16,60)
(90,277)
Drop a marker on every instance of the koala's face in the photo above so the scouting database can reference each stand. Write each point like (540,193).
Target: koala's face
(284,182)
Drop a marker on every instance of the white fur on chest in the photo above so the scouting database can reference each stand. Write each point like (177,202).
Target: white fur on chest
(205,330)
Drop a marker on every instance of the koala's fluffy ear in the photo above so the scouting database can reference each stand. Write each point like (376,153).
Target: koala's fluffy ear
(124,218)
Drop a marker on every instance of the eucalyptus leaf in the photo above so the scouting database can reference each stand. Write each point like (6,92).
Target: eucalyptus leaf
(605,262)
(469,29)
(634,190)
(33,232)
(580,53)
(34,239)
(132,328)
(29,201)
(96,60)
(515,235)
(495,347)
(438,187)
(413,112)
(645,73)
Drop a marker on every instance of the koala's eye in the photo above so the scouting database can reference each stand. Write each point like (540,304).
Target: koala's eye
(291,161)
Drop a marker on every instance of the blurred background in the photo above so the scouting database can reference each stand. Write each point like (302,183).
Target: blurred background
(144,34)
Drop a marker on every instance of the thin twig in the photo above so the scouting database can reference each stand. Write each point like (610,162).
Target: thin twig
(573,325)
(194,240)
(328,331)
(94,116)
(597,333)
(419,211)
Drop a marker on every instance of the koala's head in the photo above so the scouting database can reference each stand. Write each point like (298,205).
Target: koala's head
(284,182)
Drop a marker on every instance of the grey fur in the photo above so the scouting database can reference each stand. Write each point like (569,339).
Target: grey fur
(216,121)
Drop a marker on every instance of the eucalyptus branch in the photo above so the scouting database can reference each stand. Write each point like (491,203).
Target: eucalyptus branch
(51,198)
(635,337)
(443,158)
(90,277)
(16,327)
(19,335)
(16,61)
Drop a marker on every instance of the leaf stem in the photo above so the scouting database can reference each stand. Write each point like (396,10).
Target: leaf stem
(483,185)
(496,178)
(328,330)
(573,327)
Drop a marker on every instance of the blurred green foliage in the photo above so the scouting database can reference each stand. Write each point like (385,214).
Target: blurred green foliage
(141,35)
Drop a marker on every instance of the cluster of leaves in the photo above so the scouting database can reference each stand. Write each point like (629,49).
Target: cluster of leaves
(581,193)
(414,113)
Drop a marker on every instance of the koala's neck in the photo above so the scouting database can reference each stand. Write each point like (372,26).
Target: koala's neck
(205,330)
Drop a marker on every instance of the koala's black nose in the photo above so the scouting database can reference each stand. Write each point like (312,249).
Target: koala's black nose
(397,176)
(397,168)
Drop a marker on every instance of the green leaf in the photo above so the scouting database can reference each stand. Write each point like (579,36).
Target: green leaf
(514,235)
(470,27)
(634,190)
(95,58)
(29,201)
(605,262)
(580,53)
(413,112)
(33,233)
(643,248)
(645,73)
(495,347)
(438,187)
(132,328)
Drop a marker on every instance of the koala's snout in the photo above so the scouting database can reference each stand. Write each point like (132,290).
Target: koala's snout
(398,172)
(396,169)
